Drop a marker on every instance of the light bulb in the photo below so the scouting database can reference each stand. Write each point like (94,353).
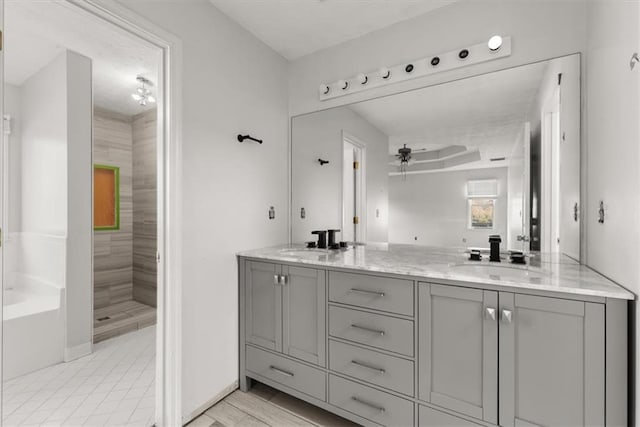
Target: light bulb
(495,43)
(136,96)
(384,72)
(324,89)
(343,84)
(151,99)
(362,78)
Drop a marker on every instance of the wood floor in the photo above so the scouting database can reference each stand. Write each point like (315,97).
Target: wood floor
(120,318)
(264,406)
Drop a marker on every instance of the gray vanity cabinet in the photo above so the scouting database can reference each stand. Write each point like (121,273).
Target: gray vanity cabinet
(552,361)
(304,314)
(285,310)
(458,349)
(387,349)
(263,316)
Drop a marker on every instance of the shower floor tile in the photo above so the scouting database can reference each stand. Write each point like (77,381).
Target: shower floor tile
(121,318)
(115,385)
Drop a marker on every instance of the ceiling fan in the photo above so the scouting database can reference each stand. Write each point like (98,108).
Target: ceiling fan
(404,155)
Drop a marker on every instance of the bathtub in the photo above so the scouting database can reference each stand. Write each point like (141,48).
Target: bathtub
(33,325)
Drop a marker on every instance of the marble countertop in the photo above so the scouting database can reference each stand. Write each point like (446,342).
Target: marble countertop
(543,272)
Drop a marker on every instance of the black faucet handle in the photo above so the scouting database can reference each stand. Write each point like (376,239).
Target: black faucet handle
(322,238)
(332,237)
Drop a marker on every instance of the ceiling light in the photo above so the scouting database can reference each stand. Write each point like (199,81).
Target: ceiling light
(343,84)
(143,95)
(362,78)
(324,89)
(384,73)
(495,43)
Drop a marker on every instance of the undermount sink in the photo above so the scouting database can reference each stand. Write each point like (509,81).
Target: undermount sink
(501,271)
(303,252)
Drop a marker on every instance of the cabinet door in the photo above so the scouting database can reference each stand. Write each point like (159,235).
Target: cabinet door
(458,349)
(304,314)
(551,362)
(263,305)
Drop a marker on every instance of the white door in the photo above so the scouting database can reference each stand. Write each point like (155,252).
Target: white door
(519,192)
(550,165)
(353,190)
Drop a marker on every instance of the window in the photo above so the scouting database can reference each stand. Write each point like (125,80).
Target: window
(481,213)
(481,195)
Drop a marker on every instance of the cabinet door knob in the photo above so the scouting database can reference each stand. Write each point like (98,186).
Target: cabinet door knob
(276,279)
(283,280)
(506,316)
(491,313)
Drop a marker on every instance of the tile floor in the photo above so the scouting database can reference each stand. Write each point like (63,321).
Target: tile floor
(264,406)
(113,386)
(121,318)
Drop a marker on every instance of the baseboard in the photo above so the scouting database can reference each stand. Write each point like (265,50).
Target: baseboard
(73,353)
(209,403)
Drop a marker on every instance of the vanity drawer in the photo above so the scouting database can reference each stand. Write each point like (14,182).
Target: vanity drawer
(375,330)
(380,369)
(375,292)
(369,403)
(301,377)
(428,417)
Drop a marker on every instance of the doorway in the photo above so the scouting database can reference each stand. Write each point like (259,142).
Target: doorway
(47,256)
(353,189)
(550,173)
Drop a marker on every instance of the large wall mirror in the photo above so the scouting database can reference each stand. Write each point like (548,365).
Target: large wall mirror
(448,165)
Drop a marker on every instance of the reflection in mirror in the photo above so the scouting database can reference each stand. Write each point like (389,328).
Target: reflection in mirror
(448,165)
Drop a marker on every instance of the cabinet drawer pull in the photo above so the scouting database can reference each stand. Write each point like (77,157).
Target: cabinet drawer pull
(506,316)
(364,328)
(276,279)
(369,404)
(366,292)
(281,372)
(373,368)
(491,313)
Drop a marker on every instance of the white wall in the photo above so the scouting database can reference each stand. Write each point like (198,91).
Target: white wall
(613,152)
(540,30)
(12,107)
(433,207)
(44,150)
(79,123)
(319,188)
(55,233)
(232,83)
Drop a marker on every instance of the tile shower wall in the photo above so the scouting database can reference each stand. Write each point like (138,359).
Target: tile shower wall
(113,250)
(144,208)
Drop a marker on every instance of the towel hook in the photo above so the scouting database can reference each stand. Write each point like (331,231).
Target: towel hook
(241,138)
(634,60)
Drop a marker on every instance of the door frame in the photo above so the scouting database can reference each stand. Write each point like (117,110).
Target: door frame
(169,155)
(361,235)
(550,173)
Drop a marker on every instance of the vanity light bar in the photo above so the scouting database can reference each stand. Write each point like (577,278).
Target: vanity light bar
(476,54)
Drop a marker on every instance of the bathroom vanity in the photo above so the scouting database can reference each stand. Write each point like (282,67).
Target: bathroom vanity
(403,335)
